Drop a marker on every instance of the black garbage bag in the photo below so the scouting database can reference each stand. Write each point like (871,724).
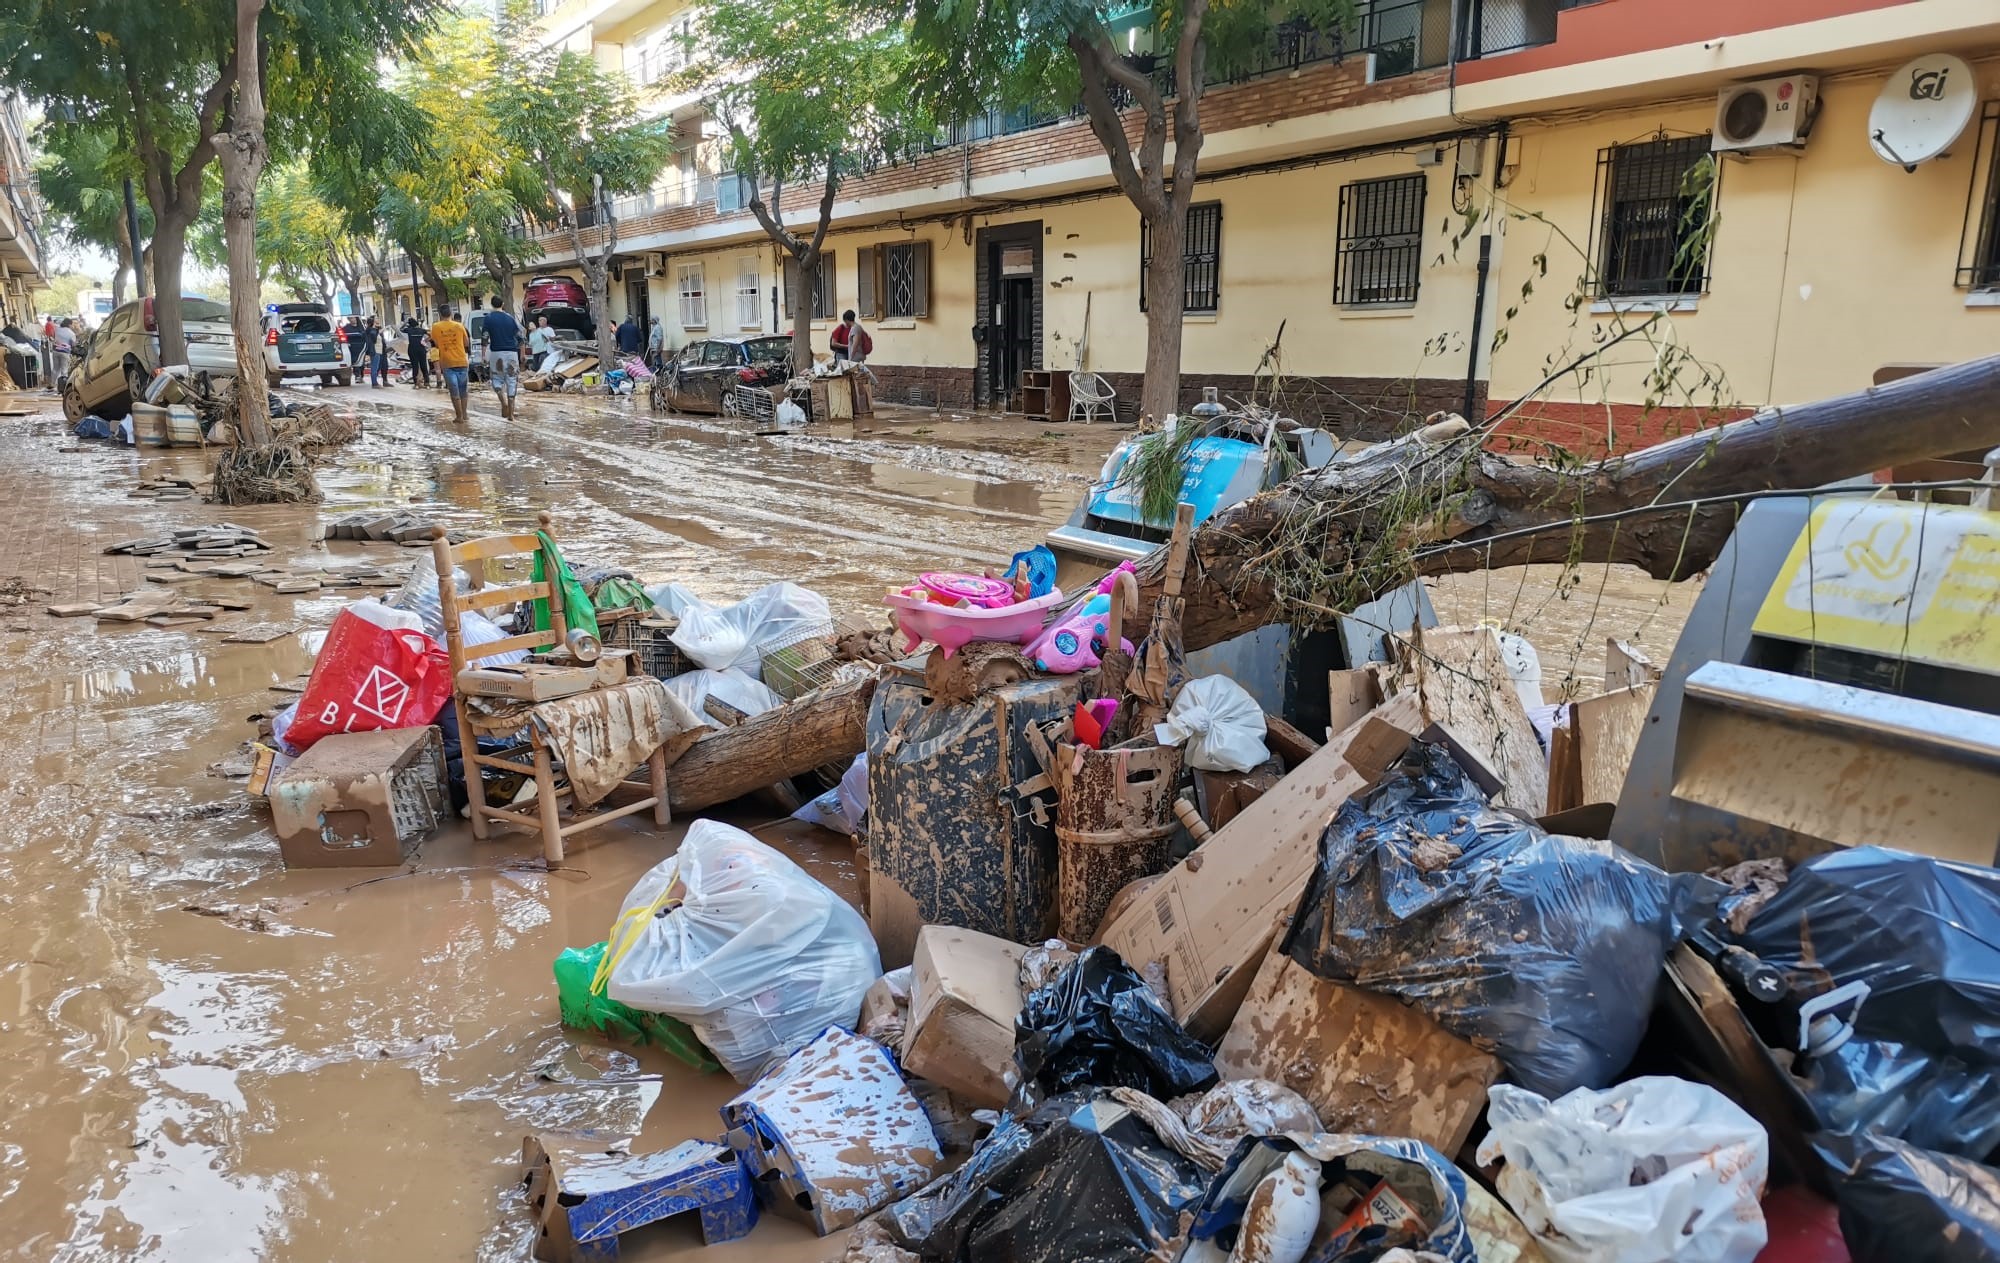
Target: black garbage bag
(1924,934)
(1097,1025)
(1903,1204)
(1544,949)
(1079,1180)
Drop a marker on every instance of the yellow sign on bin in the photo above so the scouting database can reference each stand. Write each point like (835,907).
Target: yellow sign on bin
(1904,580)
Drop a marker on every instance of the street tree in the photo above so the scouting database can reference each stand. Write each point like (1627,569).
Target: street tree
(813,92)
(302,241)
(1047,56)
(581,131)
(81,173)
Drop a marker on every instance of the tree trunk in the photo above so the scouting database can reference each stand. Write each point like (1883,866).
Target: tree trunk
(244,154)
(124,243)
(1408,507)
(802,312)
(169,253)
(826,726)
(1166,301)
(597,288)
(379,272)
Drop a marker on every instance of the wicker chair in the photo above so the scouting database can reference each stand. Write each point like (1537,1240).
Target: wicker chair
(1091,398)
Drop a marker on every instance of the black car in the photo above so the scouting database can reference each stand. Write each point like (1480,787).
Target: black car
(705,376)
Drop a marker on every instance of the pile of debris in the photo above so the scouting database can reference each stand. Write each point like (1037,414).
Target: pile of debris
(386,527)
(221,541)
(1149,967)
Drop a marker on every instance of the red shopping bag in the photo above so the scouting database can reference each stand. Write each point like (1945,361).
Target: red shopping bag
(373,672)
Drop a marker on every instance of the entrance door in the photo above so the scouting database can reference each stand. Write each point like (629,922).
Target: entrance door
(638,298)
(1014,326)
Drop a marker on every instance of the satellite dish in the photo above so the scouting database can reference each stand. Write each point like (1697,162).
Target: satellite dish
(1923,109)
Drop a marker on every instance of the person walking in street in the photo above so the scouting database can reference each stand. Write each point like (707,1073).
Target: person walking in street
(63,346)
(628,337)
(850,343)
(378,351)
(502,336)
(48,347)
(420,359)
(454,360)
(656,345)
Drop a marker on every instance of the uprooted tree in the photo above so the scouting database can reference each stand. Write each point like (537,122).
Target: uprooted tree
(1334,537)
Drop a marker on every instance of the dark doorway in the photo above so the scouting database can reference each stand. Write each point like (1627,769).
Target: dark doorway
(638,298)
(1009,333)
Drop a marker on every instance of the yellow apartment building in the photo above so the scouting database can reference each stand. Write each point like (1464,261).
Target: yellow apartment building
(1438,210)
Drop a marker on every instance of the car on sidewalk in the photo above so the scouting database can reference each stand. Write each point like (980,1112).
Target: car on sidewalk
(705,375)
(113,367)
(300,340)
(561,299)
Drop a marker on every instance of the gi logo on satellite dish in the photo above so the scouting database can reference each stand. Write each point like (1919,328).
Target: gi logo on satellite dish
(1928,85)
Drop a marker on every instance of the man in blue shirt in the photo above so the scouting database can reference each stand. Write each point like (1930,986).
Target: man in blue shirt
(502,336)
(628,337)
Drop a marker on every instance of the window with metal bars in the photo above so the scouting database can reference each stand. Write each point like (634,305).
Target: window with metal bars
(1654,201)
(1979,240)
(1378,255)
(1201,259)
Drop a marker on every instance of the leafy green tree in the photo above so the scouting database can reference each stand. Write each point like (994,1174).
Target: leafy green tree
(812,93)
(1050,55)
(302,240)
(579,129)
(81,172)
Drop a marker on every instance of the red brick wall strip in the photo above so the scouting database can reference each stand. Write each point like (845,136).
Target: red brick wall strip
(1594,430)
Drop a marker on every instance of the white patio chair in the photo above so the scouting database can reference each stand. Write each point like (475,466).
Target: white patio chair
(1091,398)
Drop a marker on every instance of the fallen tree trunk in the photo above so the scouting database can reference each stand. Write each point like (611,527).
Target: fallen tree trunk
(1334,537)
(829,725)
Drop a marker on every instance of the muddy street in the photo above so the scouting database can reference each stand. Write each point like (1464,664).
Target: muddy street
(212,1058)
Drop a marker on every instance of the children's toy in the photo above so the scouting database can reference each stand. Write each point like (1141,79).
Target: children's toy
(919,618)
(971,589)
(1077,642)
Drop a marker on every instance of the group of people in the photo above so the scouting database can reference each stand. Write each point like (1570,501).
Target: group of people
(59,343)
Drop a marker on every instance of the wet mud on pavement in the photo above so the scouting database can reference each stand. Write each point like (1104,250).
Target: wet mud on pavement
(211,1058)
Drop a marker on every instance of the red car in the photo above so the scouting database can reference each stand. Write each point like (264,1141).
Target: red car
(562,300)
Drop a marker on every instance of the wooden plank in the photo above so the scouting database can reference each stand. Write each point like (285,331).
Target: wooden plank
(1287,742)
(512,594)
(1463,681)
(1350,695)
(1607,732)
(1367,1063)
(494,546)
(1625,666)
(1565,771)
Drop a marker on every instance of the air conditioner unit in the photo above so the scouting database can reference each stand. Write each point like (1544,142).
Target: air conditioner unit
(1765,114)
(656,265)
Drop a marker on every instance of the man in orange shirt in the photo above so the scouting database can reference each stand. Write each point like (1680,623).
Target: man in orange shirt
(451,346)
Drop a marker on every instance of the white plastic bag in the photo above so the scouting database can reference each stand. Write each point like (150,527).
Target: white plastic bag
(1654,1170)
(742,945)
(739,635)
(790,415)
(842,807)
(733,687)
(419,596)
(1222,725)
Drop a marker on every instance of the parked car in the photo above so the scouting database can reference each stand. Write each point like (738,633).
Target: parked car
(300,339)
(113,367)
(705,376)
(562,300)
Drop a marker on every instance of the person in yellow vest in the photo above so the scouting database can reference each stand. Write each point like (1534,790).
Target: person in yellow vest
(451,350)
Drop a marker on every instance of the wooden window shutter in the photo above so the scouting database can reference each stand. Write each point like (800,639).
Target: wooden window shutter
(923,268)
(865,283)
(791,287)
(829,285)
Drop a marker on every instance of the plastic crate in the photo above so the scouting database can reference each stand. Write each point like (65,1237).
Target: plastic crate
(651,638)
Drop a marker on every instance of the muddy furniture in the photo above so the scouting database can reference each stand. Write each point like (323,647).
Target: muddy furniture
(531,753)
(582,1204)
(359,798)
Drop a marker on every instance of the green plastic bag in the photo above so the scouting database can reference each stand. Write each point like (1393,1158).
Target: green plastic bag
(577,609)
(622,594)
(585,1011)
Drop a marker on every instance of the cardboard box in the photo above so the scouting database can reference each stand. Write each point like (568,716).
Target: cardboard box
(965,992)
(1367,1063)
(1214,915)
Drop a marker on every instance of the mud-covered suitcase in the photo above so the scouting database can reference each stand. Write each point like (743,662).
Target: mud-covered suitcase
(951,840)
(357,799)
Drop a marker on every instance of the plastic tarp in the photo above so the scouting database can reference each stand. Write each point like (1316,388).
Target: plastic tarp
(1079,1180)
(729,686)
(1903,1204)
(740,635)
(1924,934)
(1654,1170)
(742,945)
(1099,1026)
(1542,948)
(1411,1174)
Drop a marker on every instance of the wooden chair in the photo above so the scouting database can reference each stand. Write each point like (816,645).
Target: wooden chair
(533,756)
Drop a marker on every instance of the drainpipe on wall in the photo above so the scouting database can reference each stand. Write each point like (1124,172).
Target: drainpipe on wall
(1478,321)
